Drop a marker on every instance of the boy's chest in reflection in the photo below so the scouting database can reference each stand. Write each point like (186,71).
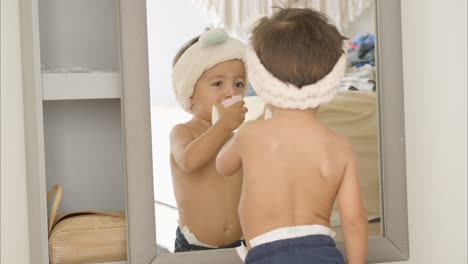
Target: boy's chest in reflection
(208,181)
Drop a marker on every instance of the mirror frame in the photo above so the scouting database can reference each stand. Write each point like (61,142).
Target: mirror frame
(141,233)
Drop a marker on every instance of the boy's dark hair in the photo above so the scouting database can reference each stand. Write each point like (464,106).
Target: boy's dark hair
(297,46)
(183,49)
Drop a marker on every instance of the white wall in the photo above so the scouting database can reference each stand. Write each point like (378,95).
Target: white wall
(435,72)
(167,33)
(363,24)
(170,25)
(14,208)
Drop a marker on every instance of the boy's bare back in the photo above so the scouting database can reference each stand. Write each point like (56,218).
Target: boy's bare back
(206,201)
(293,167)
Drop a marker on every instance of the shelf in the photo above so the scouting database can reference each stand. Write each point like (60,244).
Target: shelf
(74,86)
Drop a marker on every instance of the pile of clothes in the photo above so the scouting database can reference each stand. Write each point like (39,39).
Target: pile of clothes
(360,75)
(359,79)
(362,51)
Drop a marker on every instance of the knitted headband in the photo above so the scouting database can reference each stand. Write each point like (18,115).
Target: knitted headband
(286,95)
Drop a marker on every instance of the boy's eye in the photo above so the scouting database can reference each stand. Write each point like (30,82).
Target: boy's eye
(239,85)
(217,84)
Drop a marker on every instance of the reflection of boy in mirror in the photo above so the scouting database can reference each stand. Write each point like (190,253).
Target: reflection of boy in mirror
(293,166)
(207,71)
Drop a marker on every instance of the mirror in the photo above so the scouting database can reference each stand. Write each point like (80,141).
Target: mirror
(381,117)
(353,113)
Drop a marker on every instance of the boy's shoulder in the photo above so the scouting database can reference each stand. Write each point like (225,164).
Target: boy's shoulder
(342,142)
(189,125)
(250,130)
(181,130)
(181,127)
(249,126)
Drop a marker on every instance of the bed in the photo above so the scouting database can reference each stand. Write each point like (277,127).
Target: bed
(354,114)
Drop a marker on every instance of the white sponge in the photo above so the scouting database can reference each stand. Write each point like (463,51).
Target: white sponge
(255,105)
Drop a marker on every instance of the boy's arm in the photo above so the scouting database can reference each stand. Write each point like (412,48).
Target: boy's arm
(228,161)
(192,154)
(352,215)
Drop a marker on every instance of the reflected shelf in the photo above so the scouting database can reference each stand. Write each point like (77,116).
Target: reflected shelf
(74,86)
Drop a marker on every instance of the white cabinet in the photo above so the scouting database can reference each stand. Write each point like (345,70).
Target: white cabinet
(81,33)
(81,88)
(77,87)
(83,153)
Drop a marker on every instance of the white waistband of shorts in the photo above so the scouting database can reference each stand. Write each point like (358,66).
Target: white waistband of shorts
(291,232)
(192,239)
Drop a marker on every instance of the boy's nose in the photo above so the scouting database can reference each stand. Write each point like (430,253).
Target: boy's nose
(230,91)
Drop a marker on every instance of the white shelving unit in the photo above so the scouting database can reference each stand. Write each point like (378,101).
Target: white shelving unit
(81,90)
(78,114)
(74,86)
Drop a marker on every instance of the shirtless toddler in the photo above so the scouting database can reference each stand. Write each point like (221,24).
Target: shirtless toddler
(206,72)
(293,166)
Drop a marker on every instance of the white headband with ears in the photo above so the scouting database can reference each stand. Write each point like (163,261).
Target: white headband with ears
(213,47)
(286,95)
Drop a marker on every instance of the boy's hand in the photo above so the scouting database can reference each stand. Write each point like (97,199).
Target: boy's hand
(233,116)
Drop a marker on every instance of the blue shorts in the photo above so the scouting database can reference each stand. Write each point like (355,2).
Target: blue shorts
(181,244)
(312,249)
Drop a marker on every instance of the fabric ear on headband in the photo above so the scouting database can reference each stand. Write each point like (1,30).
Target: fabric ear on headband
(213,47)
(213,36)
